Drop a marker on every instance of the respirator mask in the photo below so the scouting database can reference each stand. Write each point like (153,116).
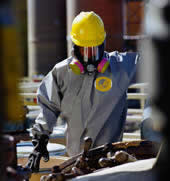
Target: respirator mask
(88,60)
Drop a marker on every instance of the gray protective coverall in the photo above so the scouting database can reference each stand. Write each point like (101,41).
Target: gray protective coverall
(92,105)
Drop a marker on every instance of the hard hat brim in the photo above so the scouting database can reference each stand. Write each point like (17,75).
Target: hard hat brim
(88,43)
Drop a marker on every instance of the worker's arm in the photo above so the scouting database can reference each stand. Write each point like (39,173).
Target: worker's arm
(49,99)
(124,66)
(134,66)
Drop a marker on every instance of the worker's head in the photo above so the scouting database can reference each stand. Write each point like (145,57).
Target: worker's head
(88,37)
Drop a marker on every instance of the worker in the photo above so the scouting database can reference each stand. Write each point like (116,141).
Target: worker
(88,90)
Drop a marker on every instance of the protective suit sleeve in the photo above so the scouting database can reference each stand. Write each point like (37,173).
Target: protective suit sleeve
(137,61)
(131,65)
(49,98)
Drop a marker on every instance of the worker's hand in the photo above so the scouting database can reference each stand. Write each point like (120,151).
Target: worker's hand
(39,151)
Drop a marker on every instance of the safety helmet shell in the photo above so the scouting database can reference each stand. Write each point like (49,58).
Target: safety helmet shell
(88,30)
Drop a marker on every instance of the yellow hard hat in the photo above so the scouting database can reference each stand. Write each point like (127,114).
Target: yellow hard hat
(88,30)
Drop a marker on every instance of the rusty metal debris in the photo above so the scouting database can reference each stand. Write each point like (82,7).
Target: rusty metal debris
(119,157)
(108,155)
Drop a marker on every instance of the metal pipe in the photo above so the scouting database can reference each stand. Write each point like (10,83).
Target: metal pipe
(46,35)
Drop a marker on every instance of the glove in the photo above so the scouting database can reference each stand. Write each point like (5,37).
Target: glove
(40,150)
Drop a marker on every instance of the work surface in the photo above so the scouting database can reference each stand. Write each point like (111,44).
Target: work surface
(140,170)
